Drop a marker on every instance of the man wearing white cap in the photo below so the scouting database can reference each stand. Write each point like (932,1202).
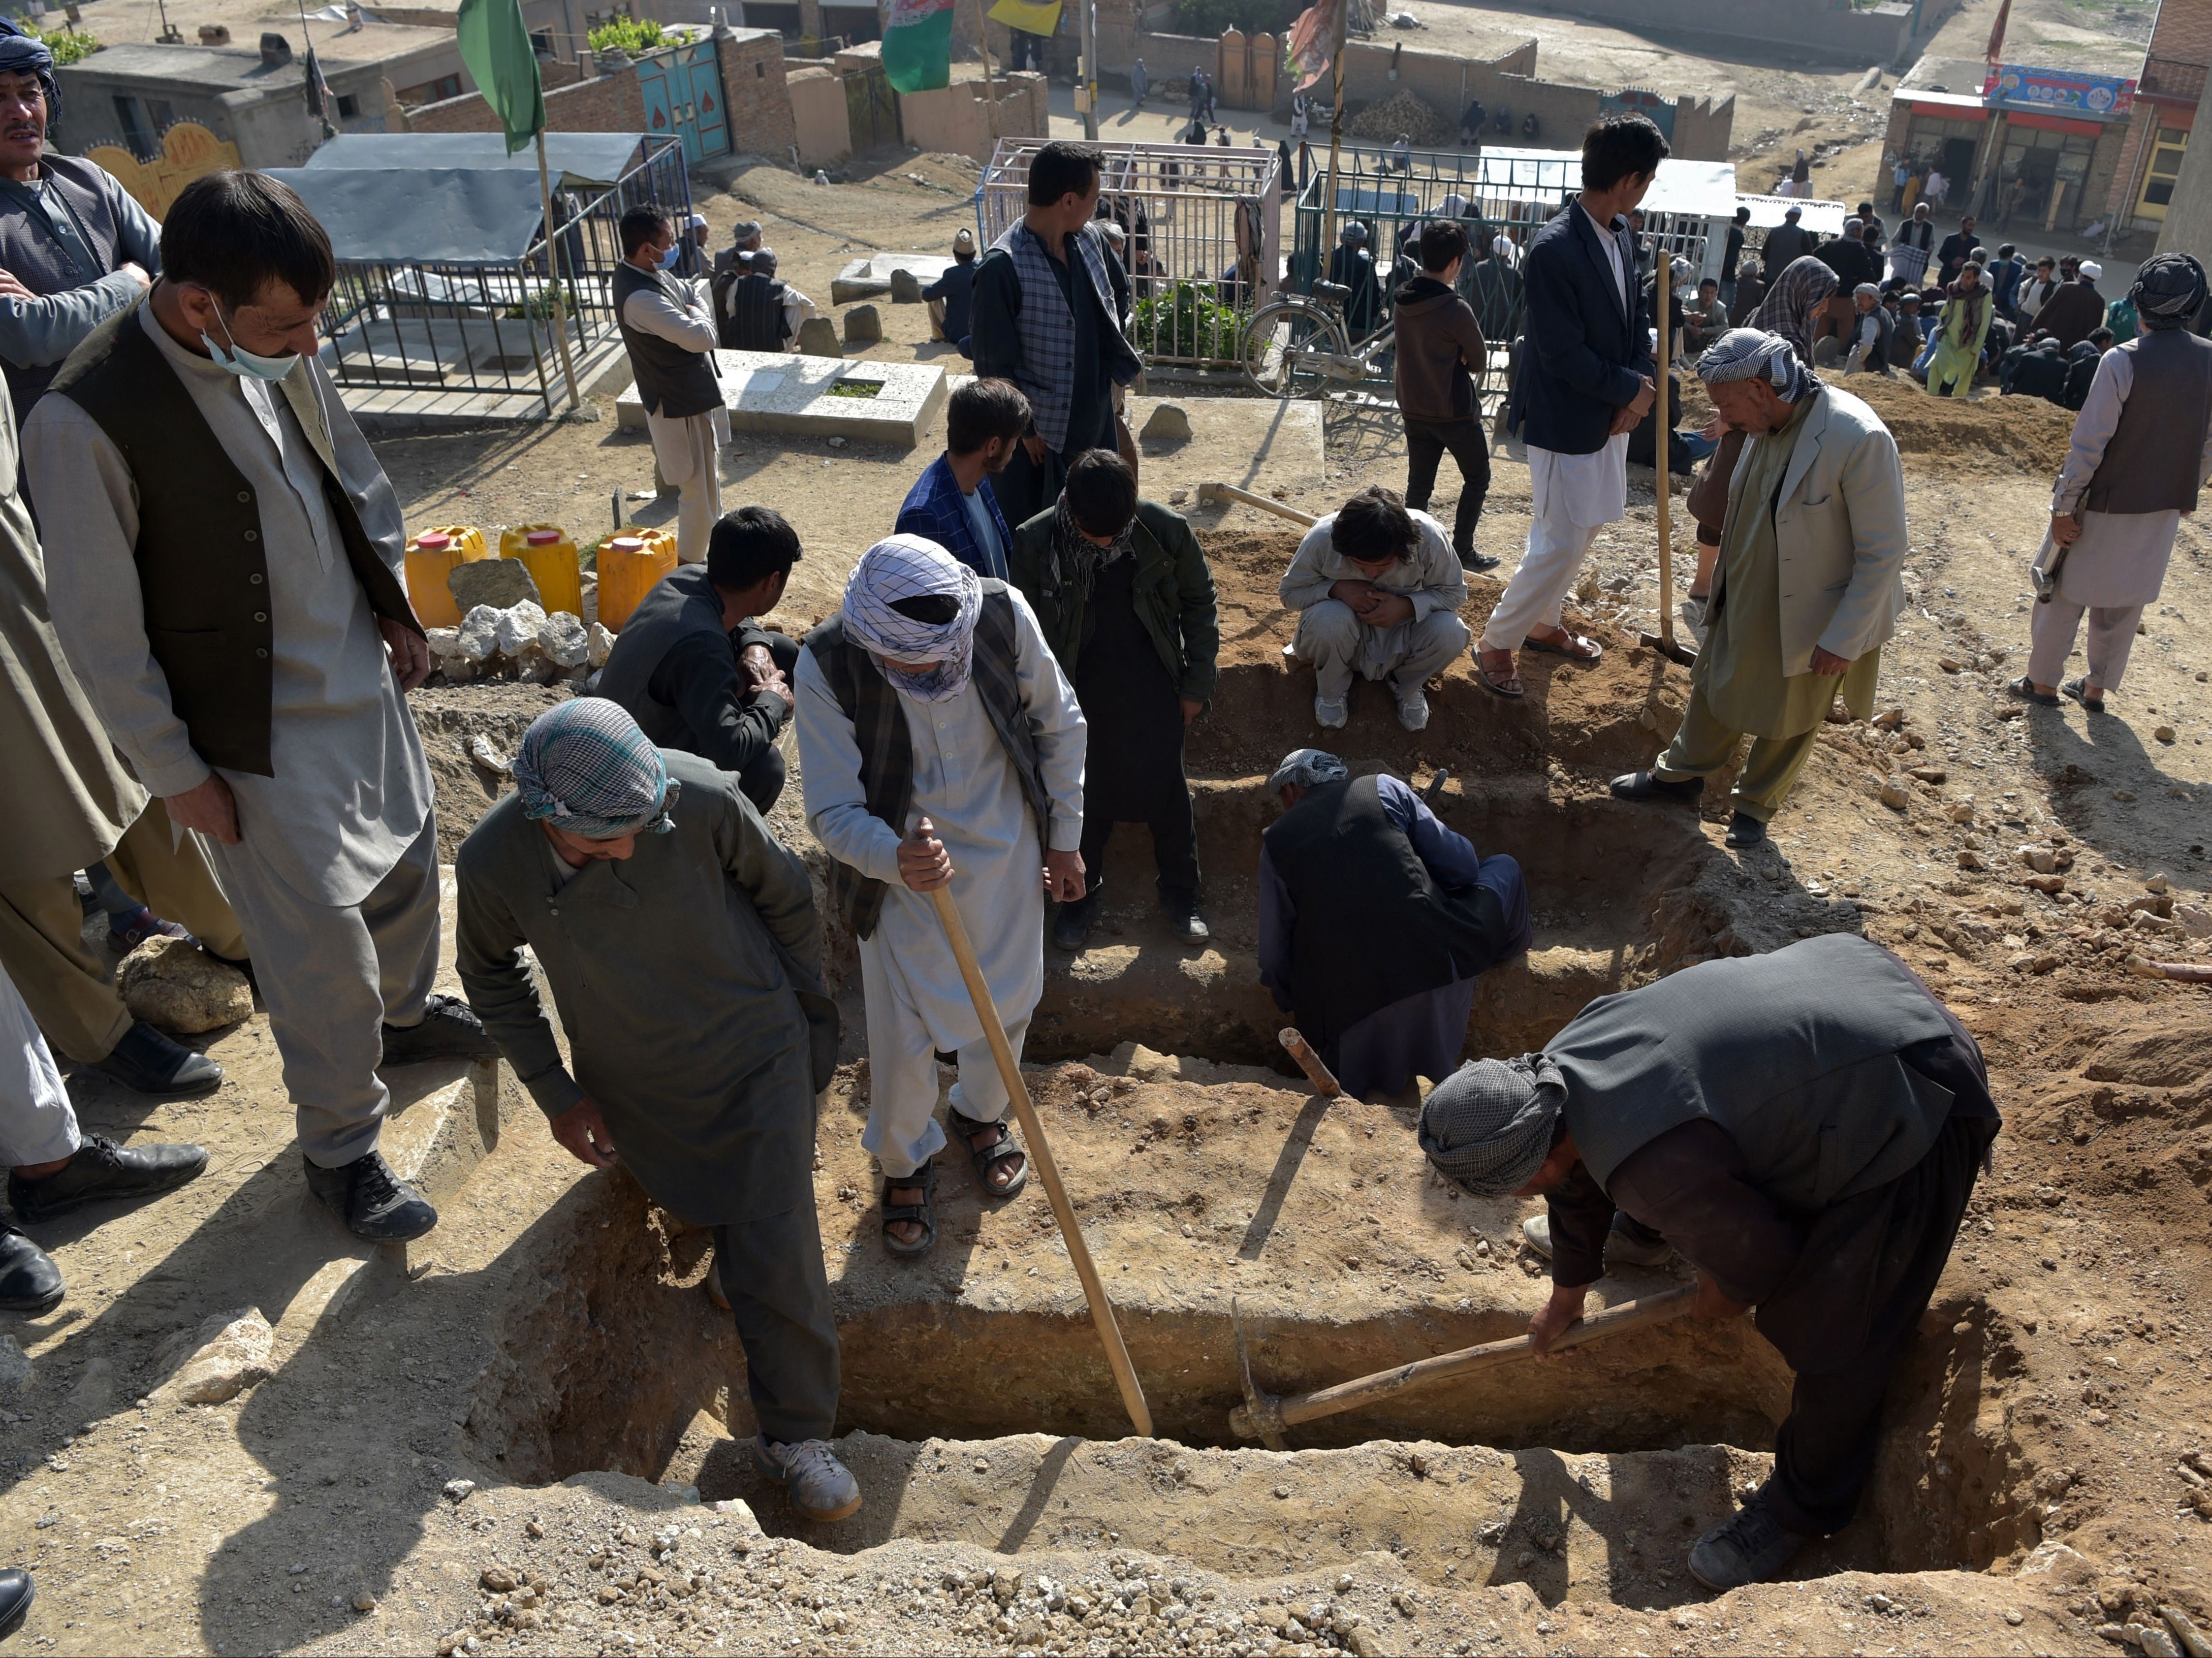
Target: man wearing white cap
(940,743)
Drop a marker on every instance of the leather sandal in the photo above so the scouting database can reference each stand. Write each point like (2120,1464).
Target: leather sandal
(925,1178)
(1510,686)
(1575,647)
(2024,689)
(1000,1150)
(2079,690)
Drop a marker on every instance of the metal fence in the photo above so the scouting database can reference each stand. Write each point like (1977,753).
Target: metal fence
(1200,237)
(487,326)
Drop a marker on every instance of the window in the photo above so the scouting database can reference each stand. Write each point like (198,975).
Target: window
(431,92)
(348,106)
(2165,168)
(541,42)
(131,118)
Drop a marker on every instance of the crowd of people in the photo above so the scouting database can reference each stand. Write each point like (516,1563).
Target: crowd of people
(212,719)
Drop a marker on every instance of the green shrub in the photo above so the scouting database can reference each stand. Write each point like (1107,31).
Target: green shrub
(1187,321)
(626,35)
(67,46)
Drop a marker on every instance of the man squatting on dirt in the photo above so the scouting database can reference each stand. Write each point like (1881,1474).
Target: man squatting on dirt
(939,738)
(680,940)
(1806,1127)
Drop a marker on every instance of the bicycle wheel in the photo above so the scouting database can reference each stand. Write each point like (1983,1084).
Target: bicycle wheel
(1289,345)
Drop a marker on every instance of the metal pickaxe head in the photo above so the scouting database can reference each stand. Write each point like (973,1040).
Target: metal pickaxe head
(1260,1417)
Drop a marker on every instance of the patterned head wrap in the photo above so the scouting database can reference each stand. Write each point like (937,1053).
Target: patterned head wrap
(1743,354)
(1789,305)
(24,53)
(905,566)
(1867,291)
(2167,289)
(1308,769)
(1489,1125)
(586,768)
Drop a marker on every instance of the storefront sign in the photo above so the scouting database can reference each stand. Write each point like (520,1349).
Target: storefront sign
(2059,92)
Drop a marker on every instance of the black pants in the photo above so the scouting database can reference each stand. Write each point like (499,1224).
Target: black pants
(1175,849)
(771,1270)
(763,781)
(1842,1324)
(1426,441)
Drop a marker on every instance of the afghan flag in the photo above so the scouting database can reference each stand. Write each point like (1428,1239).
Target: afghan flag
(918,45)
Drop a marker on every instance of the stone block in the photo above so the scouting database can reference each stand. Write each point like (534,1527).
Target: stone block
(231,1353)
(906,287)
(498,582)
(843,290)
(807,394)
(818,337)
(175,984)
(1168,423)
(864,324)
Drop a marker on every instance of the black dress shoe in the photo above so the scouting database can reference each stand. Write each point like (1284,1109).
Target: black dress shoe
(29,1282)
(101,1169)
(1070,927)
(1477,563)
(1650,786)
(373,1202)
(16,1595)
(450,1030)
(1745,830)
(149,1063)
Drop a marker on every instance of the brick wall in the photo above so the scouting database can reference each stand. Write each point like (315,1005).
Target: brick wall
(608,103)
(956,119)
(754,91)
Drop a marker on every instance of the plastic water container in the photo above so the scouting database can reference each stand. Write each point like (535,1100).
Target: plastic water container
(432,556)
(630,561)
(546,552)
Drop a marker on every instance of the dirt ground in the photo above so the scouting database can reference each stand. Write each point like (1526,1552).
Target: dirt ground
(524,1433)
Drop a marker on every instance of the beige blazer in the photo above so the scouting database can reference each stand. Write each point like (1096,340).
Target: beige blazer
(1839,531)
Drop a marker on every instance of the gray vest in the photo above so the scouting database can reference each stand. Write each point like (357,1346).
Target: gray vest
(1046,328)
(673,383)
(682,603)
(1793,1053)
(2152,462)
(60,238)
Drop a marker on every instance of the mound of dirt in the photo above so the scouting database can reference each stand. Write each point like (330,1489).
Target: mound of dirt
(1988,435)
(448,716)
(1404,112)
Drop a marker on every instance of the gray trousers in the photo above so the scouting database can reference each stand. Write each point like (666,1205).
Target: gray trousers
(779,1291)
(332,976)
(1331,637)
(2052,630)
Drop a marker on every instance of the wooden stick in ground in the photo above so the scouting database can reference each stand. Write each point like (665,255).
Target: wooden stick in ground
(1661,453)
(1265,1414)
(1318,1074)
(1040,1150)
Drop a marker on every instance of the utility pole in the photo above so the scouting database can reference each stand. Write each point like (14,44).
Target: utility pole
(1086,69)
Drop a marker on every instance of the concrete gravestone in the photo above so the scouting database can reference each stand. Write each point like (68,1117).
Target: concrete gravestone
(498,582)
(863,324)
(818,337)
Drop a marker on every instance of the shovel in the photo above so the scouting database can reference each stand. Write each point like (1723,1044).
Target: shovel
(1263,1416)
(1664,642)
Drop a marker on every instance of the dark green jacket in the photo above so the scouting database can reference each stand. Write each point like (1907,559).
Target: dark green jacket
(1174,596)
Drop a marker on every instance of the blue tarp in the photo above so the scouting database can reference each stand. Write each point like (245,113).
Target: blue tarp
(577,161)
(451,216)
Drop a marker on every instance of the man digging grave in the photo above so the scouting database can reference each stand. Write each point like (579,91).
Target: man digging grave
(936,737)
(1806,1127)
(681,944)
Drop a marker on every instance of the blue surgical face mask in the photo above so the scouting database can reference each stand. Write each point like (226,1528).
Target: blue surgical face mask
(674,252)
(246,365)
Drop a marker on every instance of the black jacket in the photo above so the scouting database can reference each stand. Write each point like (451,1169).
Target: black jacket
(1590,354)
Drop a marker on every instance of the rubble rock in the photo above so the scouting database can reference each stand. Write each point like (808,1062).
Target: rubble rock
(2042,859)
(476,640)
(2163,733)
(15,1368)
(906,288)
(498,582)
(1889,719)
(1168,423)
(864,324)
(235,1350)
(564,641)
(2195,920)
(175,984)
(2157,884)
(2050,884)
(818,337)
(518,626)
(1972,860)
(1895,796)
(600,644)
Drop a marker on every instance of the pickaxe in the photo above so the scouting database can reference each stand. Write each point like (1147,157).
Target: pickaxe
(1263,1416)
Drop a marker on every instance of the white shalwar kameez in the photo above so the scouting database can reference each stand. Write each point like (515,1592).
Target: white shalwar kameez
(964,782)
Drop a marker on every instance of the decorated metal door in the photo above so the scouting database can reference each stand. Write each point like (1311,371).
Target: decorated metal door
(683,91)
(871,109)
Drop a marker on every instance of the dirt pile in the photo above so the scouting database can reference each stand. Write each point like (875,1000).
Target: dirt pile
(458,724)
(1989,435)
(1403,112)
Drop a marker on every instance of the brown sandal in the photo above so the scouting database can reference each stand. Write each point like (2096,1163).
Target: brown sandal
(1572,646)
(1510,686)
(1000,1150)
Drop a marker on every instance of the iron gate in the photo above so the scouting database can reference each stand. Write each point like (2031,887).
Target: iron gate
(871,109)
(683,89)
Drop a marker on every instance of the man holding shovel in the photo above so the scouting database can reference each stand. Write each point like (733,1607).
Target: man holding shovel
(1806,1127)
(937,738)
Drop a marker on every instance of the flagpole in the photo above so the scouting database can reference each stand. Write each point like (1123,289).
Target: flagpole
(1336,143)
(983,45)
(553,266)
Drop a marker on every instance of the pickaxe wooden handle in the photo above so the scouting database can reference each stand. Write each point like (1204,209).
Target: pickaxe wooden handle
(1212,493)
(1300,1049)
(1263,1416)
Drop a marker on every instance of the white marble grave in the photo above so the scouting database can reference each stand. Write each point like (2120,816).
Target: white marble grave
(783,392)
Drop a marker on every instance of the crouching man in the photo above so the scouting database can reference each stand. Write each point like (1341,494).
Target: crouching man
(1375,921)
(680,940)
(1806,1127)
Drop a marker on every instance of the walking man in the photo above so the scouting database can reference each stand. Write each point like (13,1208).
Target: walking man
(669,332)
(939,742)
(679,939)
(226,582)
(2141,452)
(1049,304)
(1806,1125)
(694,668)
(1124,598)
(1440,352)
(1589,383)
(1807,587)
(1378,590)
(1376,921)
(953,502)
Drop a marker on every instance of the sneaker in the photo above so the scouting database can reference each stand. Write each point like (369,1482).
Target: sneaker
(1070,927)
(1749,1547)
(147,1062)
(138,929)
(1183,920)
(29,1280)
(820,1487)
(1413,710)
(102,1169)
(373,1202)
(450,1030)
(1332,716)
(1537,1229)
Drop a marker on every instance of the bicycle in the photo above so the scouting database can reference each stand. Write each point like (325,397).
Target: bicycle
(1296,346)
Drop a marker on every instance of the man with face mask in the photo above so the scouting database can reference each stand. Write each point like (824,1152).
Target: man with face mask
(225,582)
(668,327)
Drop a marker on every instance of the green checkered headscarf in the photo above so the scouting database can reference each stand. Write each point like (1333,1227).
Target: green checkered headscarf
(586,769)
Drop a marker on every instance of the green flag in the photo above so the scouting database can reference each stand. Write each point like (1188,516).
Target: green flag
(918,45)
(495,46)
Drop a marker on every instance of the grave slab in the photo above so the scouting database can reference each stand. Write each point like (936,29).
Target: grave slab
(782,391)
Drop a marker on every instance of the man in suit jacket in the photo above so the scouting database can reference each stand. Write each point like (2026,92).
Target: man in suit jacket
(1808,586)
(1586,385)
(952,502)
